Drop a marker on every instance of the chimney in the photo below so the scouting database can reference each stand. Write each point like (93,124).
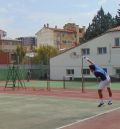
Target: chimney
(84,28)
(55,27)
(44,25)
(47,25)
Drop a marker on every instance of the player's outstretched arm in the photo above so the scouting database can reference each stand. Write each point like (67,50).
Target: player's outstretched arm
(88,60)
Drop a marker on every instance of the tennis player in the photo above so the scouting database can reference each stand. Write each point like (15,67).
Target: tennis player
(104,83)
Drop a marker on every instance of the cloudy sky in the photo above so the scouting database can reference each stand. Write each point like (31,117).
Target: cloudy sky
(26,17)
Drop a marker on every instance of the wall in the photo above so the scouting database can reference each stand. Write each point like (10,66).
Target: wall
(4,58)
(45,36)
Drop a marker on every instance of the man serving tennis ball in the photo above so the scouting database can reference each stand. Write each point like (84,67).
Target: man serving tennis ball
(104,83)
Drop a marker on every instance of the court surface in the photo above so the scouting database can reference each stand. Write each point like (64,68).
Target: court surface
(56,108)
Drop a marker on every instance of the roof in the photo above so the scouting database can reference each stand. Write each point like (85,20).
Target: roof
(6,38)
(58,30)
(10,39)
(114,29)
(62,30)
(2,30)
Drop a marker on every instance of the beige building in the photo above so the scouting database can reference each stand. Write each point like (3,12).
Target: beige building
(67,37)
(7,48)
(9,45)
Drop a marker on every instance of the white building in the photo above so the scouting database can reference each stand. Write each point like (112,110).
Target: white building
(103,50)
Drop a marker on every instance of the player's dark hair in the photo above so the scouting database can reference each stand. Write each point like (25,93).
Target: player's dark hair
(92,67)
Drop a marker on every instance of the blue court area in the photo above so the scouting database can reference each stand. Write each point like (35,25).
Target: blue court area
(59,84)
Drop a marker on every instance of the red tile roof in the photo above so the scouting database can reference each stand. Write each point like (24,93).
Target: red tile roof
(62,30)
(114,29)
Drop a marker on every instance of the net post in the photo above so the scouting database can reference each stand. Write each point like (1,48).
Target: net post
(63,82)
(82,77)
(48,82)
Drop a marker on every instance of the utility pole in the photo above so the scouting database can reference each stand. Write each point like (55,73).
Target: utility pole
(82,73)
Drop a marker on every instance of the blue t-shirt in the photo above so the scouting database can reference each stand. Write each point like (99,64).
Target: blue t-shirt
(100,72)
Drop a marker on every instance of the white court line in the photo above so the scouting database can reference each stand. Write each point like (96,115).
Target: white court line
(69,91)
(78,121)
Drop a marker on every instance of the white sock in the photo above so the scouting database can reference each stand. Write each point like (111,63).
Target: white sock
(110,99)
(101,101)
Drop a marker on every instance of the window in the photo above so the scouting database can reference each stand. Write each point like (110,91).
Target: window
(86,71)
(80,30)
(80,39)
(102,50)
(117,42)
(85,51)
(68,42)
(118,71)
(70,71)
(75,35)
(63,34)
(64,41)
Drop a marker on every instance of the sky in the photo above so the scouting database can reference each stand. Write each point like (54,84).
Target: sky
(26,17)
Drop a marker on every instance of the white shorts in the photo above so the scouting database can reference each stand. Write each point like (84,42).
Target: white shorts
(104,84)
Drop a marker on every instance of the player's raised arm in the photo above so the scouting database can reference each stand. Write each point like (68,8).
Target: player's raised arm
(88,60)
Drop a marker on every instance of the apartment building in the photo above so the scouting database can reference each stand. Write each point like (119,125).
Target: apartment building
(28,42)
(62,38)
(8,44)
(2,33)
(7,47)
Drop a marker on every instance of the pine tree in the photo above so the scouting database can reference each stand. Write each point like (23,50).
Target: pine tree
(100,24)
(117,18)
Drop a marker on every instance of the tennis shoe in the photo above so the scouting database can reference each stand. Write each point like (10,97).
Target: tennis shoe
(100,104)
(109,102)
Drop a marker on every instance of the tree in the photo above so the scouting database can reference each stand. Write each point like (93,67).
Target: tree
(100,23)
(44,53)
(19,54)
(117,18)
(109,21)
